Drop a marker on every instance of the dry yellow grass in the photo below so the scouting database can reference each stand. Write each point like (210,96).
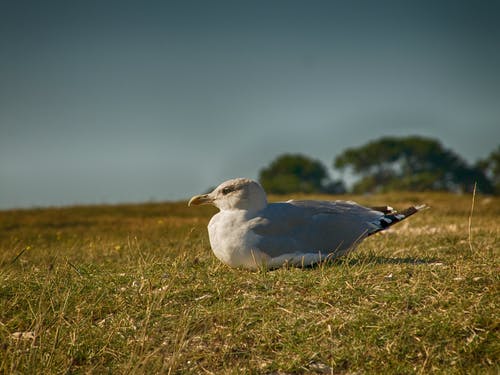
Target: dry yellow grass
(136,289)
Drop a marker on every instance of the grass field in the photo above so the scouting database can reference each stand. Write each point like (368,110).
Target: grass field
(136,289)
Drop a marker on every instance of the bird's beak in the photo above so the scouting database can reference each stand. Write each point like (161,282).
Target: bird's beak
(200,199)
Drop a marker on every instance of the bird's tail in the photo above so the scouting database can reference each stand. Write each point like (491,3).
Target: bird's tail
(392,217)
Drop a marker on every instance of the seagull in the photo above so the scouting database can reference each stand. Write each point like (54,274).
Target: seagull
(248,232)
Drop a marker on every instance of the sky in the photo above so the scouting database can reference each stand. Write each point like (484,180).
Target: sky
(132,101)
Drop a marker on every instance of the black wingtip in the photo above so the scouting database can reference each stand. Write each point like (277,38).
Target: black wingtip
(413,210)
(383,209)
(389,219)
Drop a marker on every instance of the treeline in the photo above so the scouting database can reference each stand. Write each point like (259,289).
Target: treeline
(390,163)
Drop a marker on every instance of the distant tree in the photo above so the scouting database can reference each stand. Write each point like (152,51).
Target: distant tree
(292,173)
(334,187)
(491,167)
(410,163)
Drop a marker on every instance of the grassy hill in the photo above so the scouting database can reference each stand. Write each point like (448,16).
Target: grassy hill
(136,289)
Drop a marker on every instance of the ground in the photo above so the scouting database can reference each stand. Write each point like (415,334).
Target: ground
(136,289)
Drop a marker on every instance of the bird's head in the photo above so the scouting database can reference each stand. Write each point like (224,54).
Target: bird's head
(236,194)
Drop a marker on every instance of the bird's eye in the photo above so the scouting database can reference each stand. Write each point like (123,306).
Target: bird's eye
(227,190)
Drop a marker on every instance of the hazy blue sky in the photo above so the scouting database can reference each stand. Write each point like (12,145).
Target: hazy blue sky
(104,101)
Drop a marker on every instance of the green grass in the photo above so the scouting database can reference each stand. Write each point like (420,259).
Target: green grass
(136,289)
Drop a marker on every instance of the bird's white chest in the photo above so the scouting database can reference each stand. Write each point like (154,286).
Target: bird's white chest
(232,241)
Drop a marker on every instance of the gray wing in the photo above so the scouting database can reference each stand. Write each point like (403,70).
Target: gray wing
(313,226)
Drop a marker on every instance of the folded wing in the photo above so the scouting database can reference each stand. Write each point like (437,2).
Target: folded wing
(314,226)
